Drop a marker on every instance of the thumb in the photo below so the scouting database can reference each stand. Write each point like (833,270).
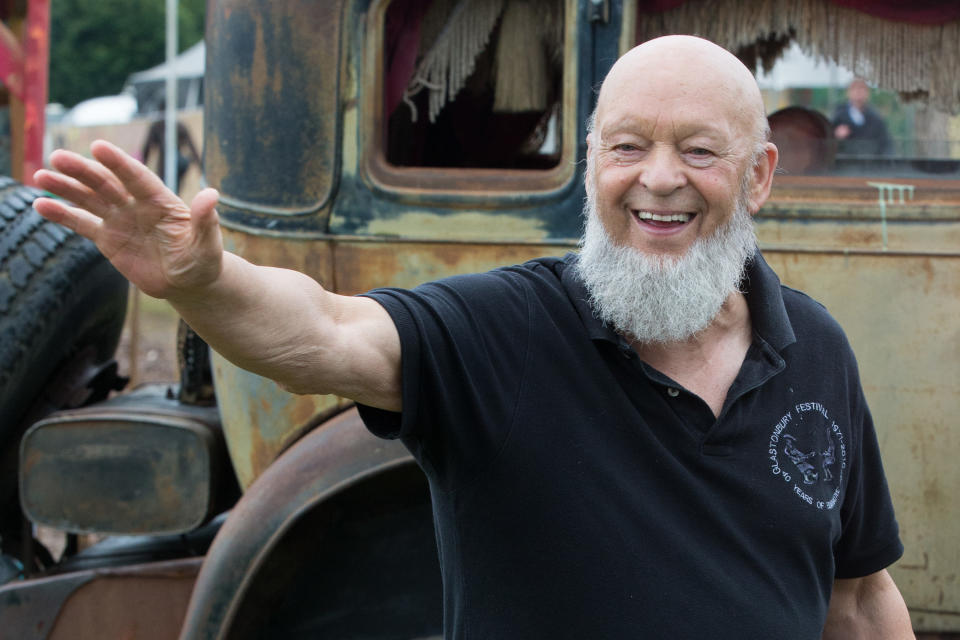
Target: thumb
(203,215)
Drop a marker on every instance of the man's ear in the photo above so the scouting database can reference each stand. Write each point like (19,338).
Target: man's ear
(762,176)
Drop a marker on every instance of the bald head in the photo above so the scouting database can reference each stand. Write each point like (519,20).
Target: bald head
(858,93)
(679,68)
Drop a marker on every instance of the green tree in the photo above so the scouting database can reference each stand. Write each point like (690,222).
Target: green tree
(96,44)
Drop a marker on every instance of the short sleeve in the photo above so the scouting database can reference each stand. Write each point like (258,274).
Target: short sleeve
(463,351)
(870,539)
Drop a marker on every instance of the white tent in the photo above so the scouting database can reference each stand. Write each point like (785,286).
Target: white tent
(148,85)
(102,110)
(797,69)
(188,64)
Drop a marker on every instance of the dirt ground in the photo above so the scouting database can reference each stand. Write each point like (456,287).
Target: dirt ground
(148,344)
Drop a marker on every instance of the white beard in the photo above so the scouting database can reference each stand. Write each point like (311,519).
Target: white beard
(658,299)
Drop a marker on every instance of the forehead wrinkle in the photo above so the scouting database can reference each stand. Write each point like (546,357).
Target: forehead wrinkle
(632,123)
(686,66)
(650,104)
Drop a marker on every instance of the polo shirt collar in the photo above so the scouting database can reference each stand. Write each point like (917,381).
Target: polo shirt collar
(768,314)
(761,287)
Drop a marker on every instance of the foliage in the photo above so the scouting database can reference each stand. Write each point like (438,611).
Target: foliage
(96,44)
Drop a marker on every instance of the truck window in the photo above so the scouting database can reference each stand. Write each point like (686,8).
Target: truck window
(827,121)
(473,85)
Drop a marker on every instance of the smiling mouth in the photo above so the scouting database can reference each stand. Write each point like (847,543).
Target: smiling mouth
(663,219)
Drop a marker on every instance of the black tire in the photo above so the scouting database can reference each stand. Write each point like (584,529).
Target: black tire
(58,296)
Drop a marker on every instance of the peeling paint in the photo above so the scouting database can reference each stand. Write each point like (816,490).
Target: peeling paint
(259,419)
(890,193)
(491,226)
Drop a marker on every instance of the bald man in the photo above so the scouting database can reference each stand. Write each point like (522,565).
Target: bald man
(653,440)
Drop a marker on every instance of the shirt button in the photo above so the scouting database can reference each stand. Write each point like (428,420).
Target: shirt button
(673,393)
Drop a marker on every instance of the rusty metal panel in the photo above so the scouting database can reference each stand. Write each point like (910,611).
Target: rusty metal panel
(311,256)
(361,266)
(836,195)
(898,237)
(147,604)
(260,419)
(28,609)
(478,224)
(861,215)
(272,106)
(145,601)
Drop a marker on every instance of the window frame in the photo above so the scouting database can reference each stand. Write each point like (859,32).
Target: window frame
(456,181)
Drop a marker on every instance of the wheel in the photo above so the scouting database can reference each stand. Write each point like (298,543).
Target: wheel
(62,308)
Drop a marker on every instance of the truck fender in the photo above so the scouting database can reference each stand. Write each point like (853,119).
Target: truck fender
(333,458)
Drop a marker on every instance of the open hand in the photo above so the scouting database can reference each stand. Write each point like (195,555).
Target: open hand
(158,242)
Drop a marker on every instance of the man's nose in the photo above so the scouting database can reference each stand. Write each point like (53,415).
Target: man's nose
(662,171)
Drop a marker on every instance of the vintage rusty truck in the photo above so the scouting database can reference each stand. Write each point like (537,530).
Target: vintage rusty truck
(377,142)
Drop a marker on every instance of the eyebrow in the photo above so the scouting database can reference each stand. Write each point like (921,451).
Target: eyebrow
(631,125)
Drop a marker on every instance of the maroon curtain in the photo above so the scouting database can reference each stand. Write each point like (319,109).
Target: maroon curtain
(402,43)
(915,11)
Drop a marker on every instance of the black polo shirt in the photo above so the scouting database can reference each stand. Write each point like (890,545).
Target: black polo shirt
(580,493)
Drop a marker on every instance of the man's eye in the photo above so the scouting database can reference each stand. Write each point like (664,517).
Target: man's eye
(700,151)
(625,147)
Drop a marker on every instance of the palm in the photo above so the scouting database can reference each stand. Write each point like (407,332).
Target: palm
(151,244)
(149,234)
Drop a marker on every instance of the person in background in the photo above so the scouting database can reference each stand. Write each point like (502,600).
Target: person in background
(154,147)
(858,127)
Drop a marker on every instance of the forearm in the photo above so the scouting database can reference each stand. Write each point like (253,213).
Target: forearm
(283,325)
(869,608)
(267,320)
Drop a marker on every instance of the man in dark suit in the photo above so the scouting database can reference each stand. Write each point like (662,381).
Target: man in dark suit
(859,128)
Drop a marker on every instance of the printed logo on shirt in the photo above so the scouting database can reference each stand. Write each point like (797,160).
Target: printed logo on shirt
(808,451)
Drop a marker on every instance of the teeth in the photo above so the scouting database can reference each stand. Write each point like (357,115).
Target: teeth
(674,217)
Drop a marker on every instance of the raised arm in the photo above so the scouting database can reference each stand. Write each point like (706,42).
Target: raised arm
(277,323)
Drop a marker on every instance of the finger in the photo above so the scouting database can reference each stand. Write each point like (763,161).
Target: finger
(203,205)
(142,183)
(92,174)
(75,218)
(70,189)
(203,216)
